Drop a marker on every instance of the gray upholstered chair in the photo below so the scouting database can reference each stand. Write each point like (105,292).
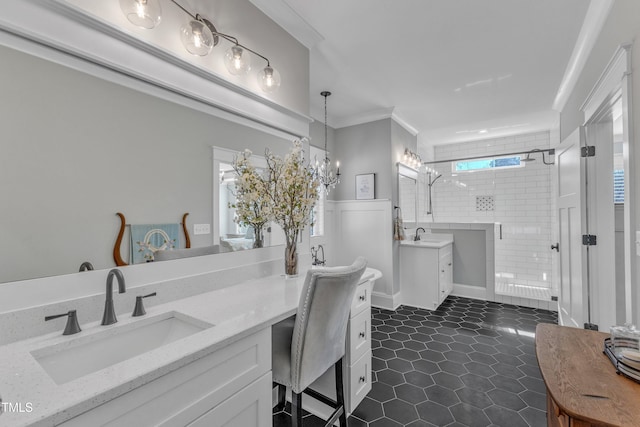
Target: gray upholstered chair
(306,346)
(185,253)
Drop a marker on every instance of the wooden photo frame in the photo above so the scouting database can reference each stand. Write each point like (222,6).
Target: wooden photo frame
(366,186)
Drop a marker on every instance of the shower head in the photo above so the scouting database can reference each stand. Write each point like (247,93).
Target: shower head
(537,150)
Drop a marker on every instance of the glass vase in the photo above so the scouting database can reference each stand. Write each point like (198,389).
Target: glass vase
(291,260)
(258,238)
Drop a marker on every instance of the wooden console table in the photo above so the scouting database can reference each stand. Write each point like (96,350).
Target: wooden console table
(583,388)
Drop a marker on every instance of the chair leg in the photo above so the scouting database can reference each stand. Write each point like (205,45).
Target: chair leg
(281,397)
(340,393)
(296,409)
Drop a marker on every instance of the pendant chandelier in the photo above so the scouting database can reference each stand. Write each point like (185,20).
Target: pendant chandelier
(326,176)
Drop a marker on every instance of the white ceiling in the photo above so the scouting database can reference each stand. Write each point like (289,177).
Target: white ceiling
(452,70)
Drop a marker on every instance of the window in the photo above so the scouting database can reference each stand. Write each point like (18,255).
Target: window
(488,163)
(618,186)
(317,215)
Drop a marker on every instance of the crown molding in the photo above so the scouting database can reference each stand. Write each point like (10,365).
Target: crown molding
(405,125)
(611,79)
(594,20)
(280,12)
(375,115)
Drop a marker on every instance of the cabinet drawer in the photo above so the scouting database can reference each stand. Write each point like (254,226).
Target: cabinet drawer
(359,381)
(250,407)
(359,337)
(362,298)
(183,395)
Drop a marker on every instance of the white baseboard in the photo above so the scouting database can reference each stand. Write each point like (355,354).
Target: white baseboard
(468,291)
(385,301)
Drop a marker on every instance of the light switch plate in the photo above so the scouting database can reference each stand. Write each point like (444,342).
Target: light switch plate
(201,229)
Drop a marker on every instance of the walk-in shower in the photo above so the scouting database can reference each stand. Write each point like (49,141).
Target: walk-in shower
(506,188)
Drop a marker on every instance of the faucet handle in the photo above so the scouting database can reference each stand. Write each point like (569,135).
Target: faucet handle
(72,326)
(139,308)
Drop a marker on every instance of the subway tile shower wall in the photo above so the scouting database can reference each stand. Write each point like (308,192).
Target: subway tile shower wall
(523,204)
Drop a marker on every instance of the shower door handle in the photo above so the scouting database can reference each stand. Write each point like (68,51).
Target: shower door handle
(556,247)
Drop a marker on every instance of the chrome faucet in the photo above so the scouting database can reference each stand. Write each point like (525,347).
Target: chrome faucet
(314,254)
(109,316)
(417,236)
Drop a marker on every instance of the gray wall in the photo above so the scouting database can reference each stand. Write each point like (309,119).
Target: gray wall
(254,29)
(77,149)
(365,149)
(621,27)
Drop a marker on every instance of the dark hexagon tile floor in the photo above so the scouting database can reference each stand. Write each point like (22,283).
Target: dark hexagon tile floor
(469,363)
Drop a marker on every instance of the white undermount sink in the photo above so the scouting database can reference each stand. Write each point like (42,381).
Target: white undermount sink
(70,360)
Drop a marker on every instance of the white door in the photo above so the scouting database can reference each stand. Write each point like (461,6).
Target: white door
(572,298)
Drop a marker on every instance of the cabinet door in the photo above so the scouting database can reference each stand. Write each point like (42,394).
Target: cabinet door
(359,382)
(358,336)
(419,277)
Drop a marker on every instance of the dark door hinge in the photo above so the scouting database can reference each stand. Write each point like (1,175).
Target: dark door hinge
(588,151)
(589,240)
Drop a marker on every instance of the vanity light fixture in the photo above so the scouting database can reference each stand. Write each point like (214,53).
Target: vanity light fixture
(142,13)
(411,159)
(326,176)
(199,36)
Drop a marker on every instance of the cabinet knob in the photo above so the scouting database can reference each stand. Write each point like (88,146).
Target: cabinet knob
(363,379)
(449,264)
(362,297)
(442,271)
(362,334)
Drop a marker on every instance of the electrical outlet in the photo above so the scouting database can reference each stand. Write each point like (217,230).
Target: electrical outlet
(201,229)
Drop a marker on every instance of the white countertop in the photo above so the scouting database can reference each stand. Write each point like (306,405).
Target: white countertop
(430,240)
(236,312)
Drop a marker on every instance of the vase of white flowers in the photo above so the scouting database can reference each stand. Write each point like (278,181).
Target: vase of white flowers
(252,205)
(293,191)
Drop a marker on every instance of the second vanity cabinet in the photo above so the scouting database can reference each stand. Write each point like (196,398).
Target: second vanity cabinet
(426,274)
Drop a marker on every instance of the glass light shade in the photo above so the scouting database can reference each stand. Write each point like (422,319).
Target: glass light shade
(142,13)
(269,79)
(196,38)
(237,60)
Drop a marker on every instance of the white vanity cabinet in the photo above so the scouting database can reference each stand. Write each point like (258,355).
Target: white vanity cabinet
(426,274)
(229,387)
(357,360)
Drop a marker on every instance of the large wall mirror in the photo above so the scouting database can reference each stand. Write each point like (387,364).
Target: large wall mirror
(77,148)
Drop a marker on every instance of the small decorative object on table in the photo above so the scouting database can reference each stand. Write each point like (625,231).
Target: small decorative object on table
(293,191)
(252,205)
(623,350)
